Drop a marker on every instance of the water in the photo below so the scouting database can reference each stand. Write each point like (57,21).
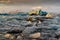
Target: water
(15,20)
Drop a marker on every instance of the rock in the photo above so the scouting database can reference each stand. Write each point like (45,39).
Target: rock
(35,35)
(7,35)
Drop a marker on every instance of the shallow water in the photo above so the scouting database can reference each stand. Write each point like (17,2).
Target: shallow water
(8,21)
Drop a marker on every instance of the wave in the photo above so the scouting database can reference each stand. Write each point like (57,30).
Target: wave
(21,14)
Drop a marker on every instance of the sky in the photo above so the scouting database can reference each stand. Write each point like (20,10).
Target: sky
(27,5)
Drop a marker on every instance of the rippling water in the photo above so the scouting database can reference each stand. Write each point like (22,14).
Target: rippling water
(15,19)
(8,20)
